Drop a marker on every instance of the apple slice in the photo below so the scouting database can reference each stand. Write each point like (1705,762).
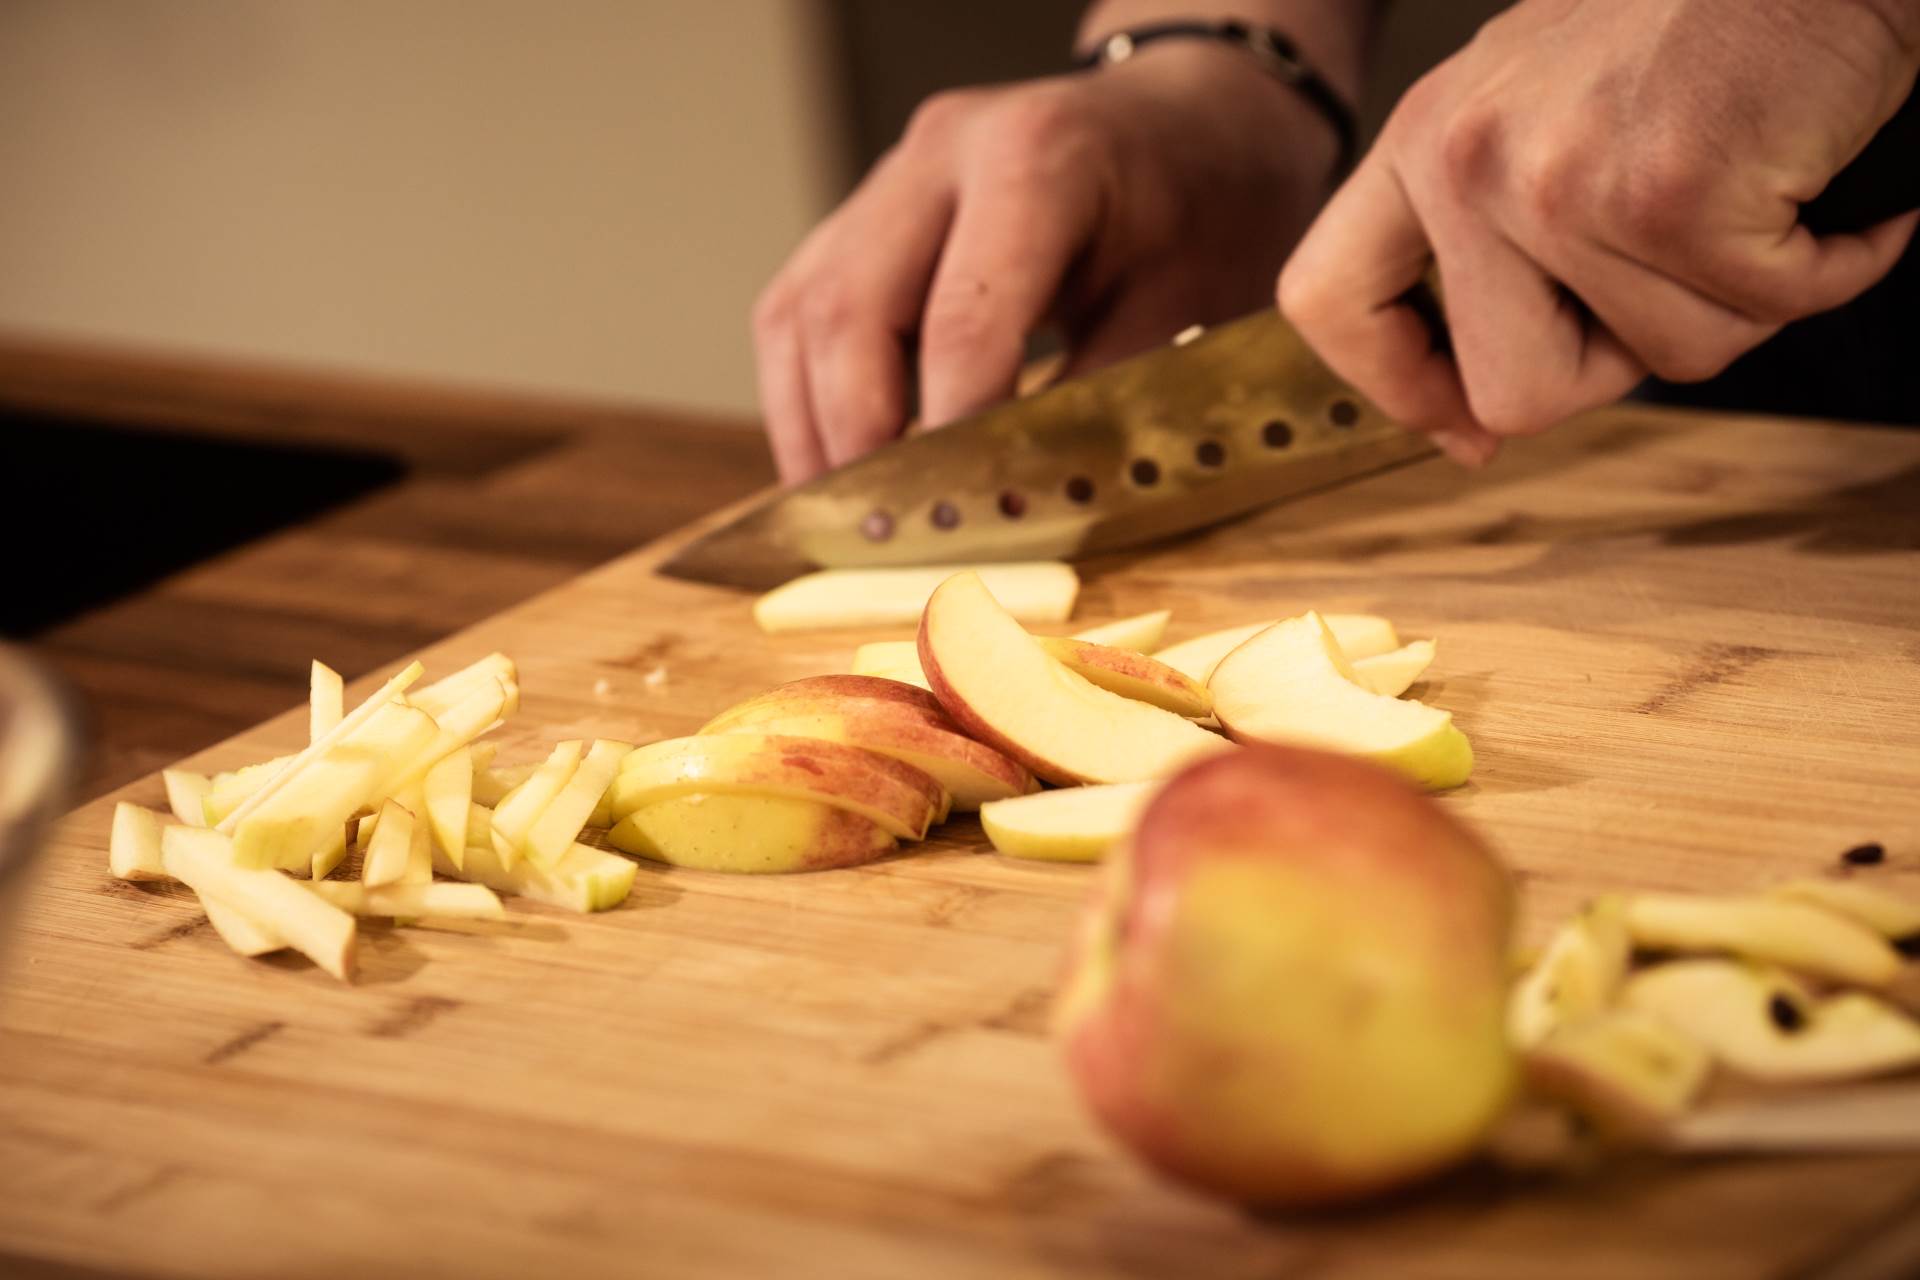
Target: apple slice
(751,833)
(1078,824)
(900,799)
(241,932)
(492,785)
(330,856)
(432,901)
(520,808)
(1131,675)
(300,817)
(1002,688)
(479,710)
(815,693)
(1805,938)
(1760,1022)
(447,790)
(326,700)
(187,795)
(587,879)
(1627,1071)
(1577,975)
(1039,591)
(897,660)
(1392,674)
(1291,684)
(133,844)
(229,790)
(1360,635)
(971,772)
(1140,633)
(443,695)
(204,860)
(390,847)
(553,833)
(1892,917)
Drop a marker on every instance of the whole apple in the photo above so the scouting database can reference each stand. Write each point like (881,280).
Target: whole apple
(1291,987)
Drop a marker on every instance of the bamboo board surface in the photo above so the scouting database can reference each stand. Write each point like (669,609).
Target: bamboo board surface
(1687,651)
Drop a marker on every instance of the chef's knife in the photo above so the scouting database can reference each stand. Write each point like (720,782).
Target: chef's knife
(1166,443)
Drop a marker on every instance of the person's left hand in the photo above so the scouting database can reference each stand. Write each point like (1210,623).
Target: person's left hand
(1608,188)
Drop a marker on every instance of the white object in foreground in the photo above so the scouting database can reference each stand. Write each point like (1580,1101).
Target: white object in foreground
(1035,591)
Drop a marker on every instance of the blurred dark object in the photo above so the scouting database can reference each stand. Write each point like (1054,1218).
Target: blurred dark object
(39,757)
(95,512)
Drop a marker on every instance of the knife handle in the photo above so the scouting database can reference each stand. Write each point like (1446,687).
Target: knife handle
(1882,182)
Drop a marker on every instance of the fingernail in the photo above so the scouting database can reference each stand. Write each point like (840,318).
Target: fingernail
(1472,450)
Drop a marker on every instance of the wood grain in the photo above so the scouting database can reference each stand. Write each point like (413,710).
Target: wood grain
(1685,648)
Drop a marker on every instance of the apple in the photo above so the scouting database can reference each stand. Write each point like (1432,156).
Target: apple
(751,833)
(904,729)
(1360,635)
(227,791)
(326,700)
(520,808)
(553,833)
(447,791)
(390,847)
(435,900)
(897,660)
(1140,633)
(1628,1072)
(900,799)
(1577,975)
(810,693)
(205,861)
(1292,684)
(1131,675)
(133,844)
(187,795)
(243,934)
(587,879)
(1806,938)
(1393,673)
(1078,824)
(1762,1023)
(1039,591)
(1292,991)
(1003,689)
(492,784)
(1891,917)
(440,697)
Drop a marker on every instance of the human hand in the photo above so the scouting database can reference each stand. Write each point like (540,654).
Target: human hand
(1607,188)
(1122,205)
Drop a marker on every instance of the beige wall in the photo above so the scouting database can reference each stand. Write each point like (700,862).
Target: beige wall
(581,196)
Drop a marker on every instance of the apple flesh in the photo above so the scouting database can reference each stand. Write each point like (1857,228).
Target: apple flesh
(1002,688)
(1131,675)
(1801,937)
(1292,684)
(204,861)
(1140,633)
(1626,1071)
(586,880)
(1038,591)
(1892,917)
(1292,990)
(900,659)
(1077,824)
(751,833)
(1577,976)
(1360,636)
(1392,674)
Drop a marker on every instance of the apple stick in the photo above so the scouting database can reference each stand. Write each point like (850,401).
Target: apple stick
(240,931)
(491,786)
(442,695)
(319,746)
(419,868)
(432,901)
(187,795)
(133,846)
(586,880)
(520,808)
(227,791)
(325,861)
(318,930)
(387,852)
(447,790)
(326,700)
(562,820)
(478,712)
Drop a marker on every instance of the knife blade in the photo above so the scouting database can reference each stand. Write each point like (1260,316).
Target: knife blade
(1174,440)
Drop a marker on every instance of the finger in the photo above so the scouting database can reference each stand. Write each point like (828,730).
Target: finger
(1345,289)
(1527,353)
(784,402)
(868,282)
(1810,273)
(1012,243)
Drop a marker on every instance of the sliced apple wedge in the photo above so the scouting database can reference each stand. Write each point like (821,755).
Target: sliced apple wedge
(1888,915)
(1627,1071)
(1131,675)
(329,856)
(820,693)
(133,844)
(1078,824)
(1360,635)
(1577,975)
(1141,633)
(751,833)
(897,660)
(902,800)
(1392,674)
(1039,591)
(204,860)
(1002,688)
(554,832)
(437,900)
(972,773)
(187,795)
(1291,684)
(1805,938)
(1760,1022)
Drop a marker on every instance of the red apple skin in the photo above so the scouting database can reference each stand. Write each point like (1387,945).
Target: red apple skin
(1291,991)
(815,689)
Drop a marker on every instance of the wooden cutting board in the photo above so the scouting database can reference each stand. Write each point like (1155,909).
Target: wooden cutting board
(1688,653)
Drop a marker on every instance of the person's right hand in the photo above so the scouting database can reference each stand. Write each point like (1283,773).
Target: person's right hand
(1122,204)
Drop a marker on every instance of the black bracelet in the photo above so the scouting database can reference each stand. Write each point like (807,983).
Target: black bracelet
(1274,50)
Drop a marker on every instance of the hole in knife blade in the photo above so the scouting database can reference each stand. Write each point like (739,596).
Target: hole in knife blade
(1080,489)
(945,515)
(1013,505)
(877,527)
(1344,413)
(1276,435)
(1145,472)
(1210,453)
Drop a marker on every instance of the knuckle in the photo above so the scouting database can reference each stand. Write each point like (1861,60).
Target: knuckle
(957,320)
(938,117)
(1656,205)
(1036,134)
(773,310)
(1468,149)
(828,307)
